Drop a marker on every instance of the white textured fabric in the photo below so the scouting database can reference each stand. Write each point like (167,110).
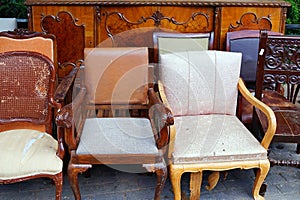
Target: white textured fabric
(214,138)
(26,152)
(201,82)
(8,24)
(117,136)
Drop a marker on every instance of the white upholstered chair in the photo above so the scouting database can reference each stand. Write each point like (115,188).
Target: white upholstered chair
(201,88)
(8,24)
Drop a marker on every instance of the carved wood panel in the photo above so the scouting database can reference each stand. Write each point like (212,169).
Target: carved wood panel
(134,27)
(70,38)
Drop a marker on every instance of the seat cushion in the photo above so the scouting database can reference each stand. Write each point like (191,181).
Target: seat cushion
(117,136)
(25,152)
(214,138)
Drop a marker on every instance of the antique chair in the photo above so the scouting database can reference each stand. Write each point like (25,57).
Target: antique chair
(45,44)
(278,62)
(246,42)
(27,147)
(201,88)
(166,42)
(116,79)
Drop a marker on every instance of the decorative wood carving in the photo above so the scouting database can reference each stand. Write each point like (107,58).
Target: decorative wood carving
(249,21)
(117,26)
(162,2)
(70,38)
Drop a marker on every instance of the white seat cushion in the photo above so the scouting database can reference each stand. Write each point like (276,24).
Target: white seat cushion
(26,152)
(117,136)
(214,138)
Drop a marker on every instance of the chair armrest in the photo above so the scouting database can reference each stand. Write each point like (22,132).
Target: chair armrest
(160,117)
(265,109)
(65,119)
(66,83)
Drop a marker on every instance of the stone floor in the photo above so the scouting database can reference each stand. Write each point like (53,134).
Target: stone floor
(107,183)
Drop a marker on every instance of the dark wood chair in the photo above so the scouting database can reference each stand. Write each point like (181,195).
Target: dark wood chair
(116,80)
(247,42)
(201,89)
(278,62)
(27,148)
(70,40)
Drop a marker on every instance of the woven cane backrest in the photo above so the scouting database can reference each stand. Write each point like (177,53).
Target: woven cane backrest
(26,88)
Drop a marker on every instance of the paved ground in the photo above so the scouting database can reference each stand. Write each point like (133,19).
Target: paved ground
(106,183)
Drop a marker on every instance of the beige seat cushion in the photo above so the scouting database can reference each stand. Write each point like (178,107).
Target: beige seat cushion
(117,136)
(214,138)
(201,82)
(25,152)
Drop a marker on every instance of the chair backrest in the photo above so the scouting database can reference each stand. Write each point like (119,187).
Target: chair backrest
(278,62)
(69,36)
(24,40)
(8,24)
(246,42)
(27,82)
(201,82)
(117,75)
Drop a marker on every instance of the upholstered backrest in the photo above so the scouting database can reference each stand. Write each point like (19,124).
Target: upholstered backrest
(41,45)
(246,42)
(116,75)
(201,82)
(26,88)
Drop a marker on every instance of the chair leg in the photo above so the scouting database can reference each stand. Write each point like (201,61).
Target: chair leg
(161,175)
(260,177)
(298,148)
(73,170)
(195,185)
(175,176)
(58,181)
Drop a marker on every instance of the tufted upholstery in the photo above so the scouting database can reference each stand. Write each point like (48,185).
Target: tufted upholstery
(18,155)
(212,70)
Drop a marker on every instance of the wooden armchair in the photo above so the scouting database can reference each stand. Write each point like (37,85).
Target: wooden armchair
(201,88)
(247,42)
(45,44)
(278,63)
(116,81)
(27,147)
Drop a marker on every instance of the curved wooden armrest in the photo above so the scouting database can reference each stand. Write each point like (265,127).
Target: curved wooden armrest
(160,117)
(265,109)
(64,116)
(66,83)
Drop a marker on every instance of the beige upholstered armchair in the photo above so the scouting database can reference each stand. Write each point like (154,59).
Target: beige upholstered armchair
(102,125)
(201,88)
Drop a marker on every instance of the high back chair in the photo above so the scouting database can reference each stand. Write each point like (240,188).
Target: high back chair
(247,42)
(118,79)
(27,148)
(201,88)
(278,62)
(166,42)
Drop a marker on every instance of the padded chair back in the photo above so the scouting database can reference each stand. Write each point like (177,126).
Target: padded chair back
(246,42)
(21,40)
(217,72)
(27,81)
(116,75)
